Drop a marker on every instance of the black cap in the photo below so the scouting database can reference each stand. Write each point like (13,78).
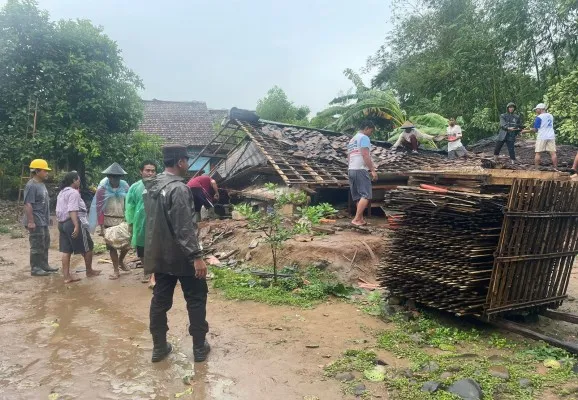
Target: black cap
(174,152)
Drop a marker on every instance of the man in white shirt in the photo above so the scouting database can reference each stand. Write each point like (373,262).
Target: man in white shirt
(409,137)
(546,139)
(360,167)
(454,135)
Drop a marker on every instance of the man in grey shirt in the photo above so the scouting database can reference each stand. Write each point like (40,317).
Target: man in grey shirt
(37,218)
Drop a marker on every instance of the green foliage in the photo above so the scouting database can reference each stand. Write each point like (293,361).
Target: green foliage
(99,248)
(275,106)
(470,58)
(352,360)
(315,213)
(86,95)
(300,289)
(542,351)
(563,98)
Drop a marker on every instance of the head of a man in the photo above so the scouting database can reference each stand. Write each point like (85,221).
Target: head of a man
(540,108)
(148,169)
(452,122)
(39,174)
(114,180)
(511,107)
(176,159)
(367,127)
(39,169)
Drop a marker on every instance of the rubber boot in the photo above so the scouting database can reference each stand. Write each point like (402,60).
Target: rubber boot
(161,348)
(201,350)
(39,272)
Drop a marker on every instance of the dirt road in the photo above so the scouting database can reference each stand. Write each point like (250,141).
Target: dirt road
(90,340)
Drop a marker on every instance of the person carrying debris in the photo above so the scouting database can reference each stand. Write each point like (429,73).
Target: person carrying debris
(205,193)
(173,253)
(74,236)
(409,137)
(360,167)
(546,140)
(37,218)
(510,126)
(107,210)
(135,215)
(454,137)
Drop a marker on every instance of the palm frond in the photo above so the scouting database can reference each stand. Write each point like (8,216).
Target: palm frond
(355,79)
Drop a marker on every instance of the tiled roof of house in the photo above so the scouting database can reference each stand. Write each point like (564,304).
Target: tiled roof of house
(179,122)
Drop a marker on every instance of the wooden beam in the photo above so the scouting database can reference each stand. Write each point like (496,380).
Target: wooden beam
(560,316)
(571,347)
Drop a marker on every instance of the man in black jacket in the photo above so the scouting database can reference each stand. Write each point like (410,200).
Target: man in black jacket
(510,126)
(173,253)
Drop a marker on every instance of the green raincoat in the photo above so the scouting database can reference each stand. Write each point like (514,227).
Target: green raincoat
(135,213)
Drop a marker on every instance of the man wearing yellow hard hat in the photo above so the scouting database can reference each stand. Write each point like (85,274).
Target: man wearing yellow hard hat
(37,218)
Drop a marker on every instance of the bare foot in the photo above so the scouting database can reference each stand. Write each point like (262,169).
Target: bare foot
(114,276)
(94,272)
(71,279)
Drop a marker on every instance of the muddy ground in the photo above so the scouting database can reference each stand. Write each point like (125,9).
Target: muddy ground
(90,340)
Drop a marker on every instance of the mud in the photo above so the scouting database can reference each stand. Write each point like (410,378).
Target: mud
(90,340)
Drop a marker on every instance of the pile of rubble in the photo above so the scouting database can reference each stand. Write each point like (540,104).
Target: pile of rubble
(311,144)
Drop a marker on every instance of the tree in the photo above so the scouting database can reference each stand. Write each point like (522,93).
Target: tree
(275,106)
(86,95)
(563,99)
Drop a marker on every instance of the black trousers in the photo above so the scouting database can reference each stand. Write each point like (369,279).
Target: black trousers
(510,140)
(195,293)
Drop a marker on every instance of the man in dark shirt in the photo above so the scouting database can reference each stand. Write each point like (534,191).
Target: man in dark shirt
(510,126)
(205,193)
(173,254)
(37,218)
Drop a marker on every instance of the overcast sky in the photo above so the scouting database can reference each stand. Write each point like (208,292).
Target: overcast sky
(230,55)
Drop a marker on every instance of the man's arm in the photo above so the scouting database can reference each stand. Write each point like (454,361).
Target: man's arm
(74,218)
(537,123)
(215,189)
(503,124)
(368,161)
(398,141)
(130,206)
(180,215)
(29,217)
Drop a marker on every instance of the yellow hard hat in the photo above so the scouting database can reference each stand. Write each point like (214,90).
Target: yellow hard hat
(39,164)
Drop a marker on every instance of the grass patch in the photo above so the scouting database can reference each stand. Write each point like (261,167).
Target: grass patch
(425,340)
(5,230)
(300,289)
(99,248)
(352,360)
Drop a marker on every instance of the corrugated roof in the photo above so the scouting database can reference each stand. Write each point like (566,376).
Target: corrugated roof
(179,122)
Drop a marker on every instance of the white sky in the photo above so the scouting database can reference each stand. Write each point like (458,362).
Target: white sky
(230,55)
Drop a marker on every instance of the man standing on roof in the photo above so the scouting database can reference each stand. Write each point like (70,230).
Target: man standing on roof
(510,126)
(205,193)
(37,218)
(454,136)
(360,167)
(546,140)
(107,210)
(173,254)
(409,137)
(135,214)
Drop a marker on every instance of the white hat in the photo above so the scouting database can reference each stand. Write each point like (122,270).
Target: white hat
(540,106)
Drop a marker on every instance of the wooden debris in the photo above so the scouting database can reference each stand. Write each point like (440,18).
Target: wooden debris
(441,252)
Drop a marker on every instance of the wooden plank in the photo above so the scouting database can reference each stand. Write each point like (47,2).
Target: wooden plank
(561,316)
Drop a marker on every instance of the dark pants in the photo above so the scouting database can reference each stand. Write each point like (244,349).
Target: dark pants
(39,244)
(195,293)
(413,144)
(510,140)
(200,199)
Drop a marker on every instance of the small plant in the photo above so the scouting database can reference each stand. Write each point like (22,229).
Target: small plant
(316,213)
(99,248)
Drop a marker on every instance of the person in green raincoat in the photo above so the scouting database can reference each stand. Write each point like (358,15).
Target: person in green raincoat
(135,213)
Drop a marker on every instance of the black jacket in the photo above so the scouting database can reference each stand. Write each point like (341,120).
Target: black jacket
(508,120)
(171,242)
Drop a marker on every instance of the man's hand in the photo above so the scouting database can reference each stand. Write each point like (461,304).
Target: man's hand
(31,226)
(216,196)
(75,232)
(200,268)
(373,175)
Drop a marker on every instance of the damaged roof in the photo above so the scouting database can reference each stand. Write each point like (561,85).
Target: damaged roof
(187,123)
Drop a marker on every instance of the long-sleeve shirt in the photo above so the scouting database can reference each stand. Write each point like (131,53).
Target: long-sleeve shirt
(405,136)
(508,120)
(134,213)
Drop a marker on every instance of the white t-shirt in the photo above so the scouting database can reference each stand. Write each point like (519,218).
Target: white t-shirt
(354,147)
(544,123)
(454,132)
